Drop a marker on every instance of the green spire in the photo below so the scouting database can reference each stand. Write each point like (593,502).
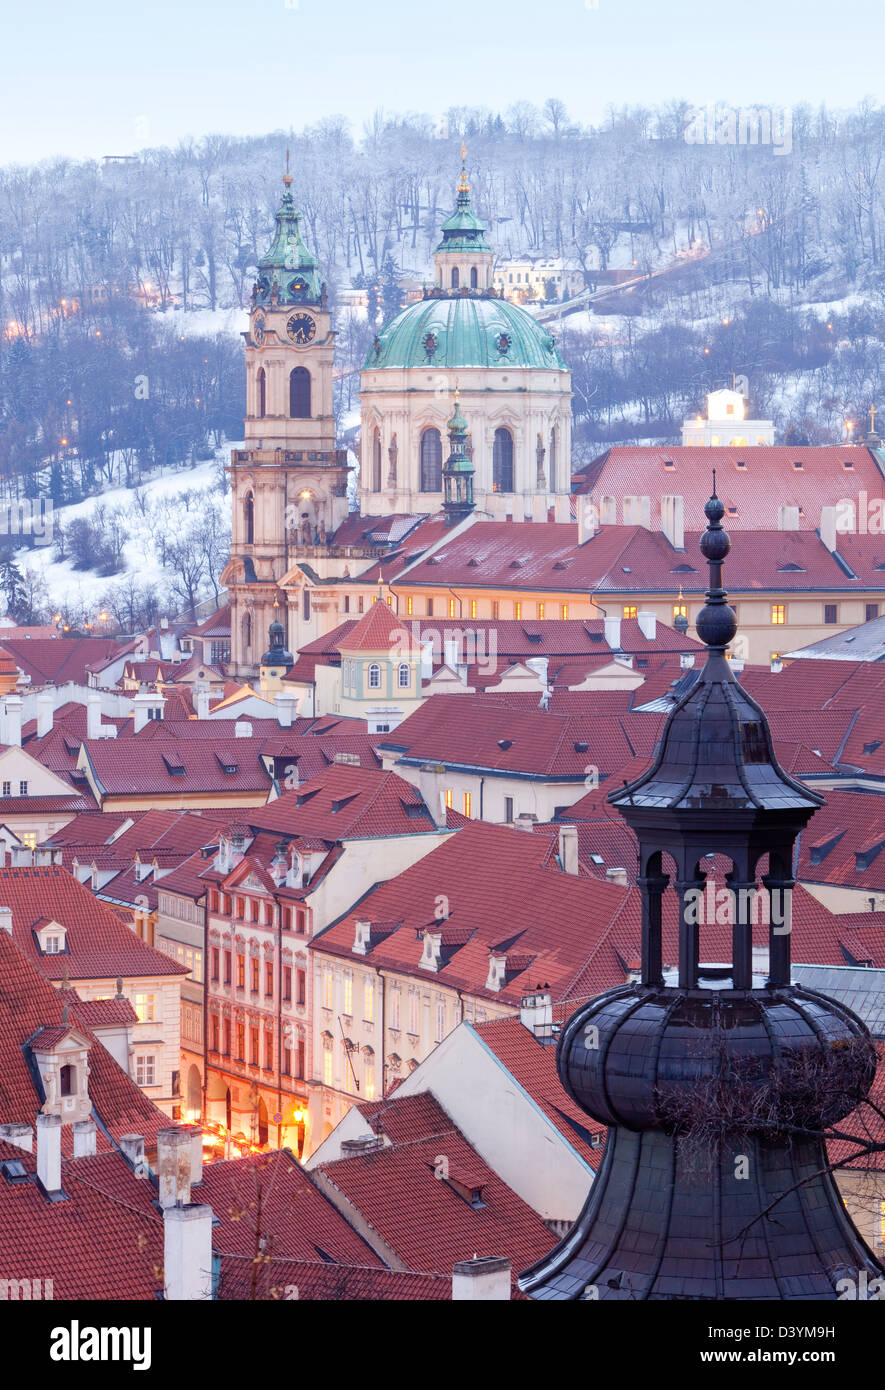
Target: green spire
(457,470)
(463,231)
(287,272)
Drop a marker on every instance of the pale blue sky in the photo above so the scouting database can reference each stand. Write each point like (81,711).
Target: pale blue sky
(93,77)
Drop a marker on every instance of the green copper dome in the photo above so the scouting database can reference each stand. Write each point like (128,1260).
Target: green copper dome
(464,330)
(287,272)
(463,231)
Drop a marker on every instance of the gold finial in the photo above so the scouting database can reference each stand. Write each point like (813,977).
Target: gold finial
(680,593)
(457,391)
(463,185)
(276,602)
(287,177)
(380,586)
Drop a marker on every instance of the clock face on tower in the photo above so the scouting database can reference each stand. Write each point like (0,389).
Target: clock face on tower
(258,332)
(301,328)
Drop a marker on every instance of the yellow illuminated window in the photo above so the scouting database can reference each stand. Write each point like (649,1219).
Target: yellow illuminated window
(680,610)
(327,989)
(369,1001)
(563,610)
(473,608)
(518,609)
(348,995)
(882,1220)
(778,614)
(540,610)
(327,1068)
(451,608)
(449,801)
(467,803)
(370,1081)
(629,610)
(409,605)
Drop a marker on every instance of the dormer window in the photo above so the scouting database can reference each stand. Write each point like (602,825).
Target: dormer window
(67,1080)
(51,938)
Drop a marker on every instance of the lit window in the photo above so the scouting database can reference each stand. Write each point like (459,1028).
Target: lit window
(327,989)
(496,608)
(409,605)
(467,803)
(540,610)
(28,838)
(370,1081)
(778,614)
(517,611)
(348,995)
(414,1012)
(395,995)
(449,796)
(369,1001)
(473,608)
(563,610)
(680,610)
(327,1068)
(451,608)
(146,1007)
(629,610)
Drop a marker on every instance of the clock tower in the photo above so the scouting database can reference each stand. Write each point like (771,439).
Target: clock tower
(289,483)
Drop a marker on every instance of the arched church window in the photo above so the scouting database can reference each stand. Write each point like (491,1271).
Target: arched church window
(502,461)
(376,461)
(456,279)
(403,676)
(374,676)
(299,393)
(246,628)
(262,393)
(249,517)
(552,459)
(474,278)
(431,461)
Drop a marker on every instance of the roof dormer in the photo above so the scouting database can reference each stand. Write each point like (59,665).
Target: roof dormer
(62,1057)
(50,936)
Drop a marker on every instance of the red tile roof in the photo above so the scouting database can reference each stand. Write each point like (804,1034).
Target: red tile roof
(423,1218)
(376,631)
(346,803)
(53,660)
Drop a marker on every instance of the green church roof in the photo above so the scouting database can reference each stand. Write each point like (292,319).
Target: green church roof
(463,231)
(464,330)
(288,264)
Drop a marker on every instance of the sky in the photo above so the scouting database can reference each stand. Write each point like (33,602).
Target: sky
(102,77)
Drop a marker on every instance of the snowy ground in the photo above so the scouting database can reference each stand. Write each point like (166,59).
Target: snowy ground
(74,588)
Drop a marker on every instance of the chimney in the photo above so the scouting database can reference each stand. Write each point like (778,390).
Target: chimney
(673,520)
(141,708)
(202,701)
(481,1280)
(497,976)
(561,509)
(426,658)
(93,714)
(362,939)
(12,711)
(84,1138)
(526,820)
(787,517)
(588,519)
(49,1153)
(21,1136)
(132,1145)
(616,876)
(366,1143)
(828,527)
(431,791)
(637,512)
(174,1166)
(187,1252)
(648,625)
(568,848)
(6,919)
(686,661)
(195,1133)
(430,955)
(243,729)
(776,665)
(286,702)
(613,633)
(45,712)
(450,653)
(536,1014)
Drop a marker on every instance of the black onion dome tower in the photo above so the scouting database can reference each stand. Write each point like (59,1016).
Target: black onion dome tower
(711,1085)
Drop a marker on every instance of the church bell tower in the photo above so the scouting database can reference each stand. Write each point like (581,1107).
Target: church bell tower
(289,483)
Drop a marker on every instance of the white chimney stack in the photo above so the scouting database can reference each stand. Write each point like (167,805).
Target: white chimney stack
(132,1145)
(45,712)
(450,653)
(673,520)
(202,701)
(49,1152)
(243,729)
(286,702)
(430,788)
(195,1133)
(93,714)
(617,876)
(141,709)
(84,1138)
(648,625)
(481,1280)
(187,1252)
(12,710)
(426,658)
(21,1136)
(588,520)
(568,848)
(787,517)
(536,1014)
(613,633)
(828,527)
(776,665)
(174,1166)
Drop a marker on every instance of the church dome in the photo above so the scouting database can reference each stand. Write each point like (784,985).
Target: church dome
(464,330)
